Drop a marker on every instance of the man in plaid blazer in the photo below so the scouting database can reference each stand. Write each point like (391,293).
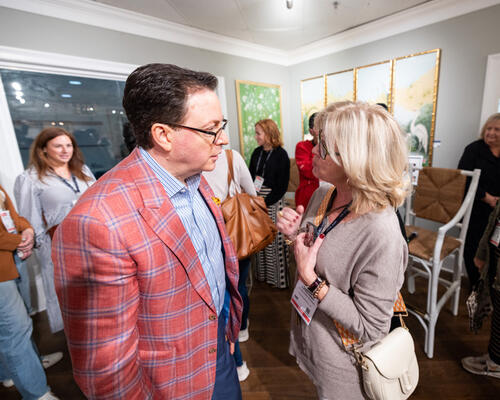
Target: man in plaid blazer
(145,272)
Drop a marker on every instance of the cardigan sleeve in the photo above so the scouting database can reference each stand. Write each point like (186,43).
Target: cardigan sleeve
(281,177)
(10,241)
(376,278)
(245,179)
(468,161)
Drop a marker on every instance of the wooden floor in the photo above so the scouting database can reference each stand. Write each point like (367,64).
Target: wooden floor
(274,374)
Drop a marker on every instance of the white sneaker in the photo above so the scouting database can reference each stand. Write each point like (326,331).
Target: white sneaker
(243,372)
(8,383)
(482,365)
(244,335)
(49,360)
(48,396)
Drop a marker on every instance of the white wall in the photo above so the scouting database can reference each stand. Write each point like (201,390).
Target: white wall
(466,42)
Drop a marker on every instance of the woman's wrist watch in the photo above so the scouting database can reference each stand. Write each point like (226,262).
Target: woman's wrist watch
(313,286)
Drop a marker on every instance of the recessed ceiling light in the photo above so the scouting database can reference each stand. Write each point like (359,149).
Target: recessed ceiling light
(53,123)
(46,105)
(66,95)
(61,123)
(113,111)
(16,85)
(75,82)
(22,101)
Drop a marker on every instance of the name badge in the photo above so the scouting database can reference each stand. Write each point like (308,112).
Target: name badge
(259,180)
(304,302)
(495,237)
(7,221)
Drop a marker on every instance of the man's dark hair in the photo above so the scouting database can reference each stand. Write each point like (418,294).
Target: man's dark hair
(311,120)
(157,93)
(128,136)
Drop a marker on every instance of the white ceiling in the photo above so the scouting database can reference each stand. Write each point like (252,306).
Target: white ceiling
(269,22)
(263,30)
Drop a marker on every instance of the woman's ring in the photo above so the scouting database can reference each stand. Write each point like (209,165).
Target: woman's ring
(280,213)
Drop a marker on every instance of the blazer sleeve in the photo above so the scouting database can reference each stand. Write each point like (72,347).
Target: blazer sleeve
(96,283)
(282,176)
(303,160)
(468,161)
(10,241)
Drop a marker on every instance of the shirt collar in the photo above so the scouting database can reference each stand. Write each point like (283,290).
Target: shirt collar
(171,184)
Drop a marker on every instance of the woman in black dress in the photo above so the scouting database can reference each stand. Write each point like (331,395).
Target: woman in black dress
(485,155)
(270,169)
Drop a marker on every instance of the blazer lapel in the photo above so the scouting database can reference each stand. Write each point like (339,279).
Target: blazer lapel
(160,215)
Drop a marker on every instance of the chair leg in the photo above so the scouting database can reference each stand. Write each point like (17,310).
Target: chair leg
(430,337)
(457,276)
(410,278)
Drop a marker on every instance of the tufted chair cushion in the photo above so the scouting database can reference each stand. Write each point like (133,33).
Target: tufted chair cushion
(439,194)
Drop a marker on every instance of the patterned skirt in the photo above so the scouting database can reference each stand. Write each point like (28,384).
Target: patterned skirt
(272,262)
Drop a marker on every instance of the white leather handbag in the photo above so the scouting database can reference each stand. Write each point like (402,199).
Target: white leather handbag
(390,368)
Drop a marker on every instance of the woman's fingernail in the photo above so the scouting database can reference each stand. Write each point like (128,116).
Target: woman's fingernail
(322,236)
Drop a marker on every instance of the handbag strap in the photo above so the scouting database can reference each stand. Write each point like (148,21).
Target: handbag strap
(399,307)
(230,173)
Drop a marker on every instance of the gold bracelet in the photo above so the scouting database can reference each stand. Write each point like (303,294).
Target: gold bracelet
(318,289)
(289,242)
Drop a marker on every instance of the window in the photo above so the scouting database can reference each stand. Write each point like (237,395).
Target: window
(89,108)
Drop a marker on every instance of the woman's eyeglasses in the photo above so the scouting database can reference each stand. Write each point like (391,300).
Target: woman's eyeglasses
(215,134)
(323,151)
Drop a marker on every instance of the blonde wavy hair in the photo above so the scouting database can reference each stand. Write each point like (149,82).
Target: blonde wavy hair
(373,152)
(320,119)
(491,118)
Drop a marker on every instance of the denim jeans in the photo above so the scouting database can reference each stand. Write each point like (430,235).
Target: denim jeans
(19,359)
(23,282)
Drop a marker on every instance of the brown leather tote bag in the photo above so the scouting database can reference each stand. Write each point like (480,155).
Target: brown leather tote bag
(247,222)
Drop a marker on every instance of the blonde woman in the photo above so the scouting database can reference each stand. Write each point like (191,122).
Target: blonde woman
(55,179)
(352,255)
(270,170)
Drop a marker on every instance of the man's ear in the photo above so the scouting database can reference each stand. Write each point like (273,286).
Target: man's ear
(162,136)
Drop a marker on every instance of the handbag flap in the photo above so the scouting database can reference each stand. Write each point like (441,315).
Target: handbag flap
(393,354)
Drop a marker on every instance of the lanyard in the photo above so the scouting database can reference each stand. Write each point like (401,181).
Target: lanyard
(75,189)
(336,221)
(265,162)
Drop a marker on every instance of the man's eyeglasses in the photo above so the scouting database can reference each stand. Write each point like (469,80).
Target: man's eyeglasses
(215,134)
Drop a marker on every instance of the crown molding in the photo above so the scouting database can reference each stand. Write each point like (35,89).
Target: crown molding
(40,61)
(404,21)
(108,17)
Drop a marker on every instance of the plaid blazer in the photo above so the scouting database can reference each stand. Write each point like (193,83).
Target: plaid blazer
(137,308)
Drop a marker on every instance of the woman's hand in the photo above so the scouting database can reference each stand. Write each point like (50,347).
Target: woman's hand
(479,263)
(289,221)
(490,199)
(27,241)
(305,257)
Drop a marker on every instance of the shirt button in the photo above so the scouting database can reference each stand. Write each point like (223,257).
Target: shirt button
(212,317)
(212,350)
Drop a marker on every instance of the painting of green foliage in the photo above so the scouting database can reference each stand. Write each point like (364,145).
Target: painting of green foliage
(256,101)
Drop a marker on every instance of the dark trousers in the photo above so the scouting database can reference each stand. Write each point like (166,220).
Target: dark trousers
(227,385)
(242,288)
(494,345)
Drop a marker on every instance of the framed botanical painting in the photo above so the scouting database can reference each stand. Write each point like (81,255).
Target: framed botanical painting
(414,96)
(312,96)
(256,101)
(340,86)
(373,83)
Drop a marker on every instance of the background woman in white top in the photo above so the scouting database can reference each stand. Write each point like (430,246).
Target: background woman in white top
(45,193)
(217,179)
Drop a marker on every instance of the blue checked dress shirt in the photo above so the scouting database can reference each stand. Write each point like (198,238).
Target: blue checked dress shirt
(199,224)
